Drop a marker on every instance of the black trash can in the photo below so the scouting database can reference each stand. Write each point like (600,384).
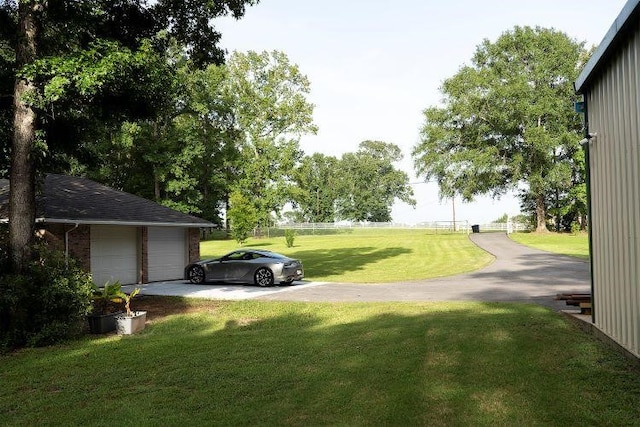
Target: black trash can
(475,228)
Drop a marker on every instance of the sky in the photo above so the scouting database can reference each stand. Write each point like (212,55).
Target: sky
(375,65)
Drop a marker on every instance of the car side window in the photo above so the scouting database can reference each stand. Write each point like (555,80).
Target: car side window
(236,256)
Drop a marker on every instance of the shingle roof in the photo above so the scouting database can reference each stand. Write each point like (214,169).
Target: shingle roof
(67,199)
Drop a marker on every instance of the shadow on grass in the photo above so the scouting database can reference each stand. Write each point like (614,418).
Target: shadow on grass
(338,261)
(280,232)
(257,244)
(159,307)
(353,364)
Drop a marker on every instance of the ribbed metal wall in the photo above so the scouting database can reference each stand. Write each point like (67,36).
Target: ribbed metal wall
(613,103)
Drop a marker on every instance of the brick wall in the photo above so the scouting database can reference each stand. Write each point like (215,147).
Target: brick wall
(79,241)
(194,245)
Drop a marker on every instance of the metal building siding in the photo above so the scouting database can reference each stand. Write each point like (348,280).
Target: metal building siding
(614,115)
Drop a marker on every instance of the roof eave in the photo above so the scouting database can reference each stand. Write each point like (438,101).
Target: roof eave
(610,40)
(125,223)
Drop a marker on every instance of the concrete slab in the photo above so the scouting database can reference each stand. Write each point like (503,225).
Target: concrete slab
(213,290)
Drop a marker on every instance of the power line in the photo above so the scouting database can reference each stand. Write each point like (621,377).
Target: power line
(421,182)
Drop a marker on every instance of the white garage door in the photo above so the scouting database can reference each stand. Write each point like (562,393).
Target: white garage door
(167,253)
(114,254)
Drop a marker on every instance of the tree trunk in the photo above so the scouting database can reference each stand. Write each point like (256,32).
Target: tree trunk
(156,187)
(22,199)
(541,215)
(156,181)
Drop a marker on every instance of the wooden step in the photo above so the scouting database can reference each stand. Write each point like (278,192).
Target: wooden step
(573,296)
(585,308)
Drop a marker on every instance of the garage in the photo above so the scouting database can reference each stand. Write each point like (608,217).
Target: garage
(114,235)
(114,254)
(167,253)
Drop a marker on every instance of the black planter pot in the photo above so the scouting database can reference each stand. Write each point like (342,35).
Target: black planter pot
(102,323)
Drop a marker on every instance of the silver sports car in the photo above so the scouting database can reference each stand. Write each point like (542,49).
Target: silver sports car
(264,268)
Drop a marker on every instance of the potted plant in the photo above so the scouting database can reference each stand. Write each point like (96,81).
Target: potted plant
(130,322)
(106,304)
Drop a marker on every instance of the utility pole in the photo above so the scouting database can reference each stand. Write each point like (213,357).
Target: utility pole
(453,204)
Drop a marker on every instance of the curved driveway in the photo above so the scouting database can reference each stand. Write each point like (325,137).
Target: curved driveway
(518,274)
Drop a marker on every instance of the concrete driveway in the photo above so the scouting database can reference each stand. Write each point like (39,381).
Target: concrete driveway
(518,274)
(214,290)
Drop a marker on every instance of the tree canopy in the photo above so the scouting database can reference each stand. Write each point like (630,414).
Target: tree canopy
(507,121)
(360,186)
(268,98)
(72,61)
(317,188)
(371,183)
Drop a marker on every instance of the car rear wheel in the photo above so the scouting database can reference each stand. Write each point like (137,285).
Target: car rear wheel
(196,274)
(264,277)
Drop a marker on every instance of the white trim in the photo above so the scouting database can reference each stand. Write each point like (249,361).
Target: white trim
(131,223)
(127,223)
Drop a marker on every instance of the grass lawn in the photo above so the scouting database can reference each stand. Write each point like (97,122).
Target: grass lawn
(366,256)
(257,363)
(576,245)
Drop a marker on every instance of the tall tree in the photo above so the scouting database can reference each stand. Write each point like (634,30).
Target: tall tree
(268,95)
(22,207)
(317,188)
(370,183)
(8,36)
(199,178)
(85,46)
(505,119)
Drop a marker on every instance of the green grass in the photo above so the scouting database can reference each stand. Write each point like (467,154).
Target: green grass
(371,256)
(576,245)
(257,363)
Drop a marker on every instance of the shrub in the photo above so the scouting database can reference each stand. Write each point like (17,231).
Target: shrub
(107,299)
(243,216)
(289,237)
(46,304)
(240,235)
(575,227)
